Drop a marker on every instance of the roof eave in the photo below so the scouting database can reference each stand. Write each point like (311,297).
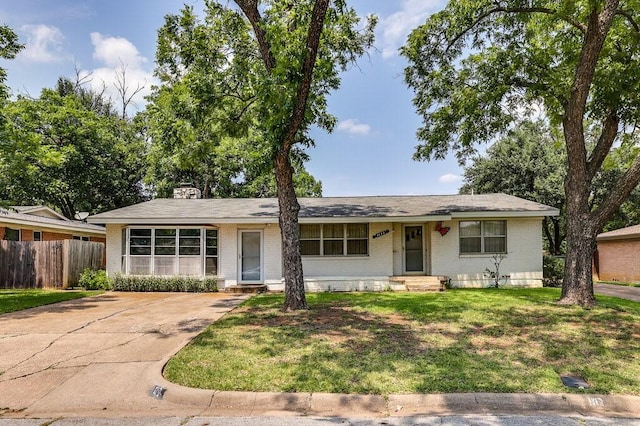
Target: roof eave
(502,213)
(633,236)
(43,225)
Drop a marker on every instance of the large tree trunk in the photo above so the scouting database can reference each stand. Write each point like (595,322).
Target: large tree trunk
(291,259)
(577,286)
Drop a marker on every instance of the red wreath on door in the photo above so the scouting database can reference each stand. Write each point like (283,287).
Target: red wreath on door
(442,229)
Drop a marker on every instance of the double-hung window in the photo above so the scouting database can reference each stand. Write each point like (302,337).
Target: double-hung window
(335,239)
(483,236)
(170,251)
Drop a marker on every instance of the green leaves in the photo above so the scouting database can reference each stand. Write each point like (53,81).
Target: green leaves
(222,112)
(9,48)
(477,65)
(60,152)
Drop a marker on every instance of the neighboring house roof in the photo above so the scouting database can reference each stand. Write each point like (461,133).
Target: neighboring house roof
(15,218)
(43,211)
(620,234)
(374,209)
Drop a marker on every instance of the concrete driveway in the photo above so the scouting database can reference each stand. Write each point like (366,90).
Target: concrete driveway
(624,292)
(100,355)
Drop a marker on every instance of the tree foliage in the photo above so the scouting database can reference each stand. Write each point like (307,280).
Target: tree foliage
(70,150)
(9,48)
(478,66)
(528,162)
(258,76)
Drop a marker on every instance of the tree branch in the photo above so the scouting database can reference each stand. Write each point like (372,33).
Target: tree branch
(548,11)
(630,19)
(601,150)
(250,9)
(620,192)
(573,120)
(313,42)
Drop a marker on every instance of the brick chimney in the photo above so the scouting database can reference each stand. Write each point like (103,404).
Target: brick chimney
(187,191)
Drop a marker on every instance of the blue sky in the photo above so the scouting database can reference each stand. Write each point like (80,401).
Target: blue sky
(369,152)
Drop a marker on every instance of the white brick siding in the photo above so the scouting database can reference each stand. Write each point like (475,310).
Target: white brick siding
(378,263)
(523,261)
(114,249)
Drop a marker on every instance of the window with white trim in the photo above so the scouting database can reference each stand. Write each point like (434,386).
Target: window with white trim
(37,235)
(170,251)
(334,239)
(483,236)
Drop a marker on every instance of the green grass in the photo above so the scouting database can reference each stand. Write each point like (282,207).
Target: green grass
(493,340)
(17,300)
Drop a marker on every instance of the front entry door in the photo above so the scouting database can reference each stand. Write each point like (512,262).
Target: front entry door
(250,256)
(413,249)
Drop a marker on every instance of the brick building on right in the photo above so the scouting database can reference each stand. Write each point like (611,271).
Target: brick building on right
(618,255)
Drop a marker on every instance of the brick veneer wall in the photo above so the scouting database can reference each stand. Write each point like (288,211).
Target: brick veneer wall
(618,260)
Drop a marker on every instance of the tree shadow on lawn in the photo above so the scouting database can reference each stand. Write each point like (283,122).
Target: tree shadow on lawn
(377,343)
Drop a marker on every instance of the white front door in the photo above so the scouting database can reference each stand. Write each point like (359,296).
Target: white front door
(250,257)
(414,249)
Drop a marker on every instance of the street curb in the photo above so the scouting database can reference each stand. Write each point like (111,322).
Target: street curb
(230,403)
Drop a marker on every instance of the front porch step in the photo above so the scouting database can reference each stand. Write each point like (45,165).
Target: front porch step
(421,283)
(247,288)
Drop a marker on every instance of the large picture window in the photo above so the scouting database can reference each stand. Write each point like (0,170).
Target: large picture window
(335,239)
(483,236)
(170,251)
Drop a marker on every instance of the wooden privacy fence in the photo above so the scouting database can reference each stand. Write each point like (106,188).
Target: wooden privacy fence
(47,264)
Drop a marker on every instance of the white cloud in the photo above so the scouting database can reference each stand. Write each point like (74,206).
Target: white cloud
(113,51)
(44,44)
(449,178)
(354,127)
(394,29)
(118,54)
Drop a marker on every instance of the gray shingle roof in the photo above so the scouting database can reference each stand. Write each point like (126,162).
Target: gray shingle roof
(261,210)
(621,234)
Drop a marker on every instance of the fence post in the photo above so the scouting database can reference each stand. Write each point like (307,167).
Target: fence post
(65,264)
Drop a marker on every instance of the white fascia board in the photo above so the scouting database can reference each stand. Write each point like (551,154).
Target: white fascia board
(385,219)
(42,225)
(181,221)
(265,220)
(502,214)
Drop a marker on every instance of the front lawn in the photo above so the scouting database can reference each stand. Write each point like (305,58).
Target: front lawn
(384,343)
(19,299)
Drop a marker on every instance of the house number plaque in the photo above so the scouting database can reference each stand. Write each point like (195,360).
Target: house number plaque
(380,234)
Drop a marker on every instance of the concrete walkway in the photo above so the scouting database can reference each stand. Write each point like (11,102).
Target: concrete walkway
(102,357)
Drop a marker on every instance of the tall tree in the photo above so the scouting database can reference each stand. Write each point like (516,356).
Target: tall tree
(476,66)
(528,162)
(190,140)
(69,150)
(266,74)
